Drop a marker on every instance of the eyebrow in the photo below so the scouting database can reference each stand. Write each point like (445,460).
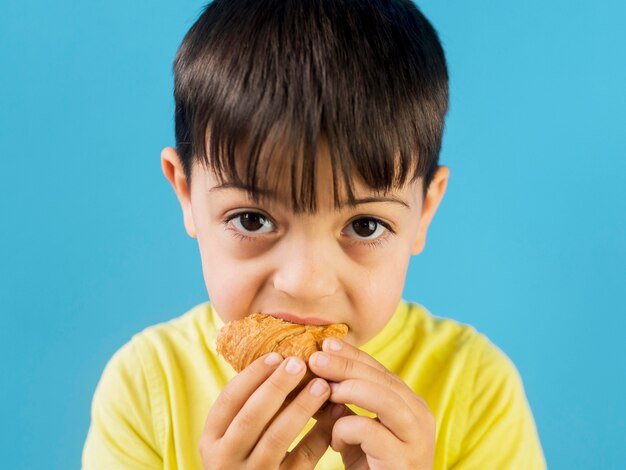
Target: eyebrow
(266,193)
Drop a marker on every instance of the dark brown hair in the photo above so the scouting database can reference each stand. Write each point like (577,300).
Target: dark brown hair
(264,81)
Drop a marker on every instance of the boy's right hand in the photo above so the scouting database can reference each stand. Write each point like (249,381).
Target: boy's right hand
(246,427)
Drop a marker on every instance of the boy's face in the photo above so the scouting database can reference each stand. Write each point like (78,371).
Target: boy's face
(345,265)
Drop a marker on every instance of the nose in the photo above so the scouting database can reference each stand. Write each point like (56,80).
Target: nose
(306,272)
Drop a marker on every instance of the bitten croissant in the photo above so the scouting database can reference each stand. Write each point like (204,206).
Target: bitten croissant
(242,341)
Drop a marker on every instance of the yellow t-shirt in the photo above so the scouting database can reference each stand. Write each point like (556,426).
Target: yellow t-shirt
(152,400)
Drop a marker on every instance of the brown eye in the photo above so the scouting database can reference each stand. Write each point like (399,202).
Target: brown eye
(365,228)
(252,222)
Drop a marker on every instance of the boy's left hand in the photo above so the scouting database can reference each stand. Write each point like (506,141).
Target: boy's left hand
(403,433)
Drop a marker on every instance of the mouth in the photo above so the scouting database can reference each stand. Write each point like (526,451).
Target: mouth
(300,320)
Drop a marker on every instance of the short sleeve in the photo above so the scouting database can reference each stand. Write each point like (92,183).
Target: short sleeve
(500,431)
(121,434)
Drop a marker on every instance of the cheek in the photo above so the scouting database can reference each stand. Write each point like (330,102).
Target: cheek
(385,277)
(377,295)
(385,289)
(231,283)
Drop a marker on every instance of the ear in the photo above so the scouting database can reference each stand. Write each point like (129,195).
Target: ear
(435,193)
(173,171)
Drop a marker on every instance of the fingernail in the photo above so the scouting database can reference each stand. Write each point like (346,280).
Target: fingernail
(318,388)
(333,387)
(272,359)
(332,344)
(294,366)
(320,359)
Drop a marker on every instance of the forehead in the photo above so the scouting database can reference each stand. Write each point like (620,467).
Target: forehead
(305,183)
(407,196)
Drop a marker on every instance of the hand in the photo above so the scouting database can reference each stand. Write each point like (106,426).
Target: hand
(248,426)
(402,436)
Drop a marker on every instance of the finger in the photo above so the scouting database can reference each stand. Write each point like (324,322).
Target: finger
(336,368)
(351,455)
(371,436)
(236,392)
(313,445)
(289,423)
(340,348)
(317,440)
(248,425)
(390,408)
(336,346)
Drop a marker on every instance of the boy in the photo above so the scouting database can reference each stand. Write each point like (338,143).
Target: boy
(306,165)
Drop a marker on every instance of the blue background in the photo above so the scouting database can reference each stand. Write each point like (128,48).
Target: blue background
(529,244)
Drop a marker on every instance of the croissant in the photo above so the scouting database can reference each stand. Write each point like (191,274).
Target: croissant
(242,341)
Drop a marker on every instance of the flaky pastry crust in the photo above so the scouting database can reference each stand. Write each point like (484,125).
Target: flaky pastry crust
(242,341)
